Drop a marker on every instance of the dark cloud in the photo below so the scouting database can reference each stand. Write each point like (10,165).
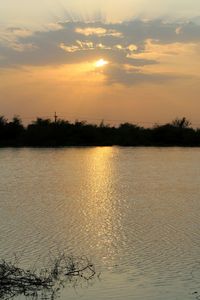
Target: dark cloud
(75,42)
(118,74)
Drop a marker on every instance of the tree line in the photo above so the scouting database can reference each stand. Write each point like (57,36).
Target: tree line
(48,133)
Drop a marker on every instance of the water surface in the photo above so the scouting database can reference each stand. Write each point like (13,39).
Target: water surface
(134,211)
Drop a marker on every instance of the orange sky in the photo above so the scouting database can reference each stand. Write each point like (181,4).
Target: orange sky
(151,72)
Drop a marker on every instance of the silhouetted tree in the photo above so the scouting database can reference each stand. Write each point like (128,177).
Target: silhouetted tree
(181,123)
(44,132)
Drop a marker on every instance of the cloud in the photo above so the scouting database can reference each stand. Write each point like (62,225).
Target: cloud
(178,30)
(10,38)
(155,51)
(135,43)
(53,27)
(70,48)
(129,76)
(98,31)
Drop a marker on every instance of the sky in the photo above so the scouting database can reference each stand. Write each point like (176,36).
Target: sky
(119,61)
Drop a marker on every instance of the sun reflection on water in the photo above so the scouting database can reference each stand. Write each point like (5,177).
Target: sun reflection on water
(100,210)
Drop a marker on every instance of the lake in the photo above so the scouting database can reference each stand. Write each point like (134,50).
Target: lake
(135,212)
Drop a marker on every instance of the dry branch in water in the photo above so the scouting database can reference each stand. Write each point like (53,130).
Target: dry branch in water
(47,282)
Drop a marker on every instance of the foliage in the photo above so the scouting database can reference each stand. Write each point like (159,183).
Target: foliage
(181,123)
(47,133)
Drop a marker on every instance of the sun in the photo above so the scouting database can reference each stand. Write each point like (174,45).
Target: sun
(101,63)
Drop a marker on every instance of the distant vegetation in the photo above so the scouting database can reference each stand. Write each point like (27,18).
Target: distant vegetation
(47,133)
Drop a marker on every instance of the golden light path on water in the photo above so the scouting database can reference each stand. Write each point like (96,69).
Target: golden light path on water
(101,216)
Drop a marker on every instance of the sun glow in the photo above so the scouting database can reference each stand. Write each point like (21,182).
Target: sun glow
(101,63)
